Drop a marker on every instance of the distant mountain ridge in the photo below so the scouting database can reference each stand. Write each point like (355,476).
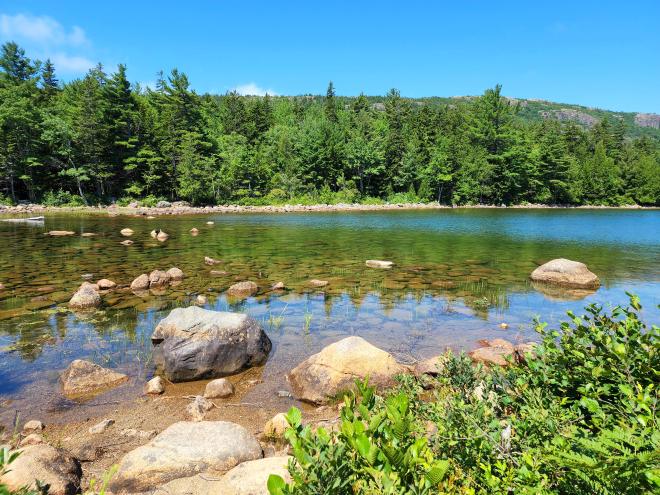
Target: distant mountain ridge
(638,124)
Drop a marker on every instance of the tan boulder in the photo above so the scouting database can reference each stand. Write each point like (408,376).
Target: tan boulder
(218,389)
(34,425)
(155,386)
(194,231)
(84,378)
(566,273)
(127,242)
(278,286)
(32,439)
(105,284)
(60,233)
(334,370)
(162,236)
(276,426)
(211,261)
(46,464)
(175,273)
(318,283)
(183,450)
(243,289)
(126,232)
(141,282)
(251,477)
(498,352)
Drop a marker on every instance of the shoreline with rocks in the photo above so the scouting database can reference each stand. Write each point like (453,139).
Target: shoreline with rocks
(182,208)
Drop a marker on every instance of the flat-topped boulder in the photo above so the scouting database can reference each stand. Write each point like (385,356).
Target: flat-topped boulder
(566,273)
(195,343)
(61,233)
(85,378)
(46,464)
(183,450)
(334,370)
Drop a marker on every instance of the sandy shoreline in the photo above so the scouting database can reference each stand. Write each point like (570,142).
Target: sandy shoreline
(112,210)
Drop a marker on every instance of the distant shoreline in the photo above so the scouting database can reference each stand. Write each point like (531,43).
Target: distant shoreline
(112,210)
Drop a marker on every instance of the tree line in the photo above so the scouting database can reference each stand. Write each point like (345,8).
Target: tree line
(100,139)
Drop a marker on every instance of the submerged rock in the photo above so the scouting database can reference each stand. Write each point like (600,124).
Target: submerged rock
(61,233)
(162,236)
(126,232)
(175,273)
(334,370)
(85,378)
(105,284)
(46,464)
(140,283)
(278,286)
(158,278)
(218,389)
(211,261)
(127,242)
(379,264)
(251,477)
(184,450)
(195,343)
(243,289)
(318,283)
(566,273)
(86,297)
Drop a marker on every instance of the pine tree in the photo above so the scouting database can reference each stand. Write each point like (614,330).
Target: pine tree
(330,103)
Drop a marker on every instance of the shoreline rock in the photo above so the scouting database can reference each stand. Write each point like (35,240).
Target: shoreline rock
(183,450)
(195,343)
(334,370)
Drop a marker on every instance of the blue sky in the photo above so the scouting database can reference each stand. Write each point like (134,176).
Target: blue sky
(603,54)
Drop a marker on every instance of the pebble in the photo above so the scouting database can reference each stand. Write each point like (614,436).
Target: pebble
(101,427)
(155,386)
(33,426)
(218,389)
(284,393)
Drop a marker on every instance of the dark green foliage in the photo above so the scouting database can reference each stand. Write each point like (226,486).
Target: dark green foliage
(102,139)
(579,417)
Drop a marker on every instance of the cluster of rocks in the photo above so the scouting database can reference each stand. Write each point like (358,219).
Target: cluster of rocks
(157,279)
(88,295)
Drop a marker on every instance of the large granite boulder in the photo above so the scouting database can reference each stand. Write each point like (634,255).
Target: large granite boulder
(184,450)
(335,369)
(84,378)
(251,478)
(46,464)
(566,273)
(195,343)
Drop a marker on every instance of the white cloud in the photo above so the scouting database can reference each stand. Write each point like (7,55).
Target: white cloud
(253,90)
(71,63)
(41,29)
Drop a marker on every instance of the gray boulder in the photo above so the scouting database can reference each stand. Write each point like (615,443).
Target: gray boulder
(184,450)
(195,343)
(566,273)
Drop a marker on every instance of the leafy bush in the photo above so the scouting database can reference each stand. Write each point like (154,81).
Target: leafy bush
(579,417)
(62,198)
(4,200)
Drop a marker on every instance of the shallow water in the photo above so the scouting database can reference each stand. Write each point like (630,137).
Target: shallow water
(458,274)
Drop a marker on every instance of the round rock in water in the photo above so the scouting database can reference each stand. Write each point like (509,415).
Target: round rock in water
(566,273)
(140,283)
(183,450)
(86,297)
(243,289)
(85,378)
(195,343)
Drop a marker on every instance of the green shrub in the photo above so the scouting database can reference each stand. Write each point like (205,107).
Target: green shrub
(578,418)
(62,198)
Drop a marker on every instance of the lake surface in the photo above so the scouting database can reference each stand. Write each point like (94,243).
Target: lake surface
(458,274)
